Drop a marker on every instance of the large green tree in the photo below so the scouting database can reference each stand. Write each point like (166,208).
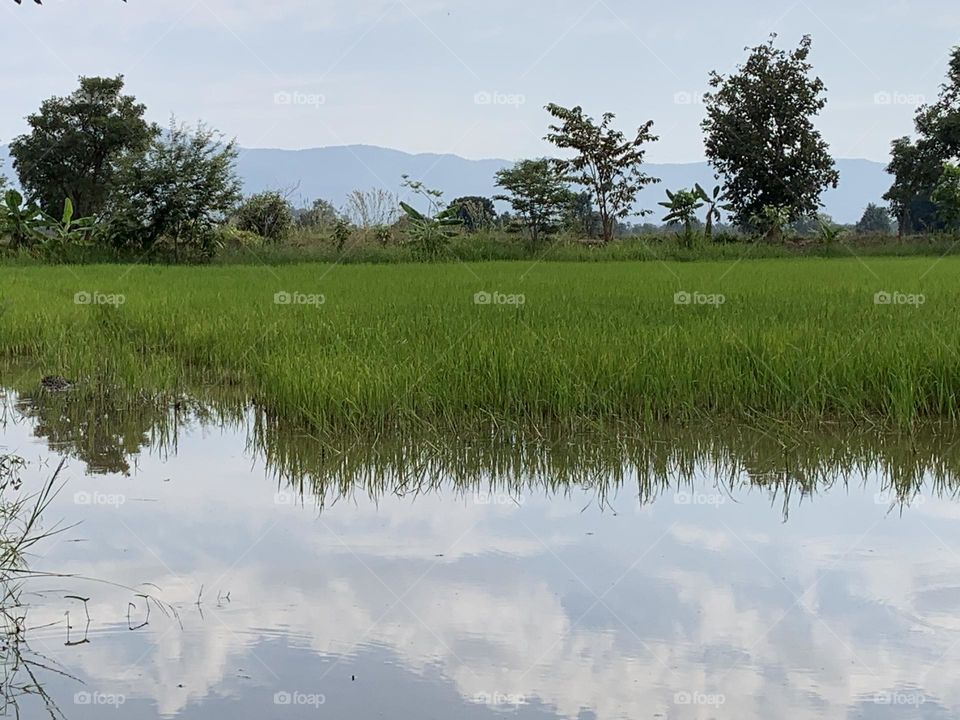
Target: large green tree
(179,190)
(607,163)
(917,164)
(537,193)
(760,135)
(76,143)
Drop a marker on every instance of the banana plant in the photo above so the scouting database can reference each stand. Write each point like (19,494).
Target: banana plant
(714,206)
(58,233)
(683,206)
(430,233)
(21,222)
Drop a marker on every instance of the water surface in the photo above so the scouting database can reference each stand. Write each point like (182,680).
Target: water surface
(678,576)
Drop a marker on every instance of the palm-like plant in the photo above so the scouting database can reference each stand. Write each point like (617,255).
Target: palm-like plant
(683,206)
(714,206)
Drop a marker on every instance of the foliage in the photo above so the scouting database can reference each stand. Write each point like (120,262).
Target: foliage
(319,216)
(715,203)
(875,219)
(475,213)
(20,221)
(180,189)
(607,163)
(683,206)
(917,165)
(341,233)
(268,214)
(760,135)
(537,193)
(946,197)
(428,233)
(580,217)
(771,221)
(75,145)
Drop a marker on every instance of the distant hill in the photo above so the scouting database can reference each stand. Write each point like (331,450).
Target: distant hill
(332,172)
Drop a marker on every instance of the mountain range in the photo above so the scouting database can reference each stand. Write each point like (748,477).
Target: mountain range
(333,172)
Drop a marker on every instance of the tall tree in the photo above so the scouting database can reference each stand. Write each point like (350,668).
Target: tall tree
(607,163)
(760,135)
(917,165)
(76,142)
(875,219)
(536,192)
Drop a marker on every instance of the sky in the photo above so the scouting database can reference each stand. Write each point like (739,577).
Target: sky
(469,78)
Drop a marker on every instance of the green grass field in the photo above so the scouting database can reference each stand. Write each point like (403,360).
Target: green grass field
(383,347)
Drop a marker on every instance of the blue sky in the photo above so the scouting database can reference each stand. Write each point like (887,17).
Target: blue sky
(466,77)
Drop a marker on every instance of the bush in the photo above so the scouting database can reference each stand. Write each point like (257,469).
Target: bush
(267,214)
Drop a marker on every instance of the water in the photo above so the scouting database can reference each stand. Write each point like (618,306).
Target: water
(725,579)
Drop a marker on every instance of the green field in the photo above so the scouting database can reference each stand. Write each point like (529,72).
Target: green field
(407,346)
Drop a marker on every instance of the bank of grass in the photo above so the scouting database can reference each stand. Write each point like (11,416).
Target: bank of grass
(407,346)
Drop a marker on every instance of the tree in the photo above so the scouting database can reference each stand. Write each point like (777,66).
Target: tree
(320,215)
(474,212)
(180,189)
(536,192)
(917,166)
(875,219)
(268,214)
(580,216)
(946,197)
(760,135)
(76,142)
(607,162)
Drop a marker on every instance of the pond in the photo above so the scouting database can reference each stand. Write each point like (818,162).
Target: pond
(231,568)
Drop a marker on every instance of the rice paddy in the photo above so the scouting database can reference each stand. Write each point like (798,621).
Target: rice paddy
(508,344)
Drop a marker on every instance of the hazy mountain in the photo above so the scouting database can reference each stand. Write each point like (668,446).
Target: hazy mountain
(332,172)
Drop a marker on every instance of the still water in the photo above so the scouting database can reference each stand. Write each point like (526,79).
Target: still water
(689,578)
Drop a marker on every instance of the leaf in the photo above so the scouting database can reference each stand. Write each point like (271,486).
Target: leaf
(412,212)
(67,211)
